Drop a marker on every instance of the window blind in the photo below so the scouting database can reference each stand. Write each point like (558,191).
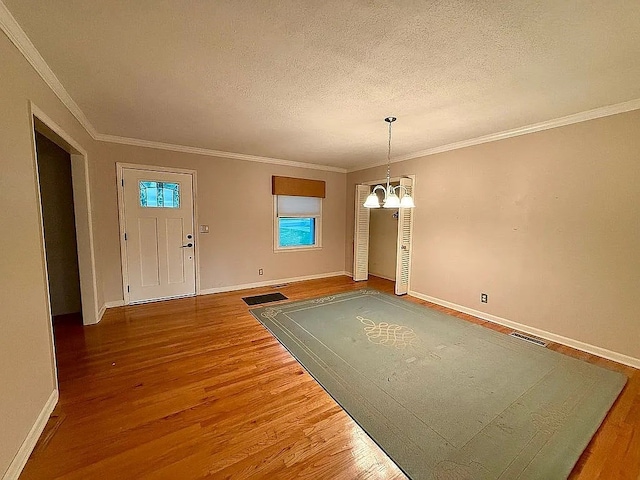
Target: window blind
(289,206)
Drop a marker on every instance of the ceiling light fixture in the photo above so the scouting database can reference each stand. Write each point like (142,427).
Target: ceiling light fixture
(391,199)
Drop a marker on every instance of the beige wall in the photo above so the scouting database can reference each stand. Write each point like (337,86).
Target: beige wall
(547,224)
(56,192)
(383,239)
(26,367)
(234,199)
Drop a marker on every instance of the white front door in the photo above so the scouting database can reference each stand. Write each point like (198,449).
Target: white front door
(158,232)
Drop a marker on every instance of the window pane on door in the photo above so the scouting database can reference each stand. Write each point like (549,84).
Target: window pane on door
(159,194)
(296,232)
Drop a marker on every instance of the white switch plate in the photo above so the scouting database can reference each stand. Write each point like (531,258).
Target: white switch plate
(204,228)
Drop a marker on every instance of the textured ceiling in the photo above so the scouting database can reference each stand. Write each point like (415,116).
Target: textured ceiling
(311,81)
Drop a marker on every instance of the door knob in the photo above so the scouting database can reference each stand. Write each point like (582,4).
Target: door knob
(188,245)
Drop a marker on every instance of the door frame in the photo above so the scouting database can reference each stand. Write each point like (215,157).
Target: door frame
(384,182)
(120,168)
(42,123)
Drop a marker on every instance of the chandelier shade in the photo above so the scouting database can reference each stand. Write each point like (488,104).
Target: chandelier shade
(392,201)
(372,201)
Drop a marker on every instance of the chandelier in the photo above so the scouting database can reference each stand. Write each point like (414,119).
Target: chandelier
(391,199)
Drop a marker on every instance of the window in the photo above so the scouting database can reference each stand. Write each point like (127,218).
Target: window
(297,222)
(159,194)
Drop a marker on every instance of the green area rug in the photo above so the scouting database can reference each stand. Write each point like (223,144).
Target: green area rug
(444,398)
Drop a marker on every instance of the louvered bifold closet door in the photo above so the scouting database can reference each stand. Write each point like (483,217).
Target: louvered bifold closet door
(405,227)
(361,235)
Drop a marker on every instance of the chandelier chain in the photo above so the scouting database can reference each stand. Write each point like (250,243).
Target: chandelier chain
(391,199)
(389,158)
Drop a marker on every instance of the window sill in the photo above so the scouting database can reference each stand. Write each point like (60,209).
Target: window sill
(296,249)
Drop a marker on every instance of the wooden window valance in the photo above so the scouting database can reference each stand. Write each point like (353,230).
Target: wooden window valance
(297,187)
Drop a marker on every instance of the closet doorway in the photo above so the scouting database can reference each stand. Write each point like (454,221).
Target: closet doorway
(382,238)
(383,241)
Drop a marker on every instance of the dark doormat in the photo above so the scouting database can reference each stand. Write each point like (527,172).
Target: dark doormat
(269,297)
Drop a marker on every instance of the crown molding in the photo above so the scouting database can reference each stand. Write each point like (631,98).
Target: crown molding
(214,153)
(536,127)
(493,137)
(12,29)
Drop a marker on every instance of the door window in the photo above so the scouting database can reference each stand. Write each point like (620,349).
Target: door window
(159,194)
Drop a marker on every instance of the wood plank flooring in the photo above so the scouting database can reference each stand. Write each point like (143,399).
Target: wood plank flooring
(197,388)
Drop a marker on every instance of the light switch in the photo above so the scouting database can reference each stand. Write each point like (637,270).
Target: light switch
(204,228)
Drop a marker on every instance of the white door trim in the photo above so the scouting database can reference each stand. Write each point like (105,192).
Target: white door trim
(120,167)
(83,212)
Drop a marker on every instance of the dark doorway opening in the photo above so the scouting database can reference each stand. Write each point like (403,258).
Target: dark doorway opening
(61,246)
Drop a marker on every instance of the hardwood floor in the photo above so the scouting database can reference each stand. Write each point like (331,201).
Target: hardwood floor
(197,388)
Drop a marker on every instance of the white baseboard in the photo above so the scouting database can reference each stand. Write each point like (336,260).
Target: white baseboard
(20,460)
(115,303)
(105,305)
(101,312)
(552,337)
(382,276)
(244,286)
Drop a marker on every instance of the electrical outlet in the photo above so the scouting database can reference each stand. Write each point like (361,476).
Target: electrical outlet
(260,272)
(484,298)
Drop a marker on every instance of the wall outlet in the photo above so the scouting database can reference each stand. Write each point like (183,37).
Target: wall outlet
(484,298)
(260,272)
